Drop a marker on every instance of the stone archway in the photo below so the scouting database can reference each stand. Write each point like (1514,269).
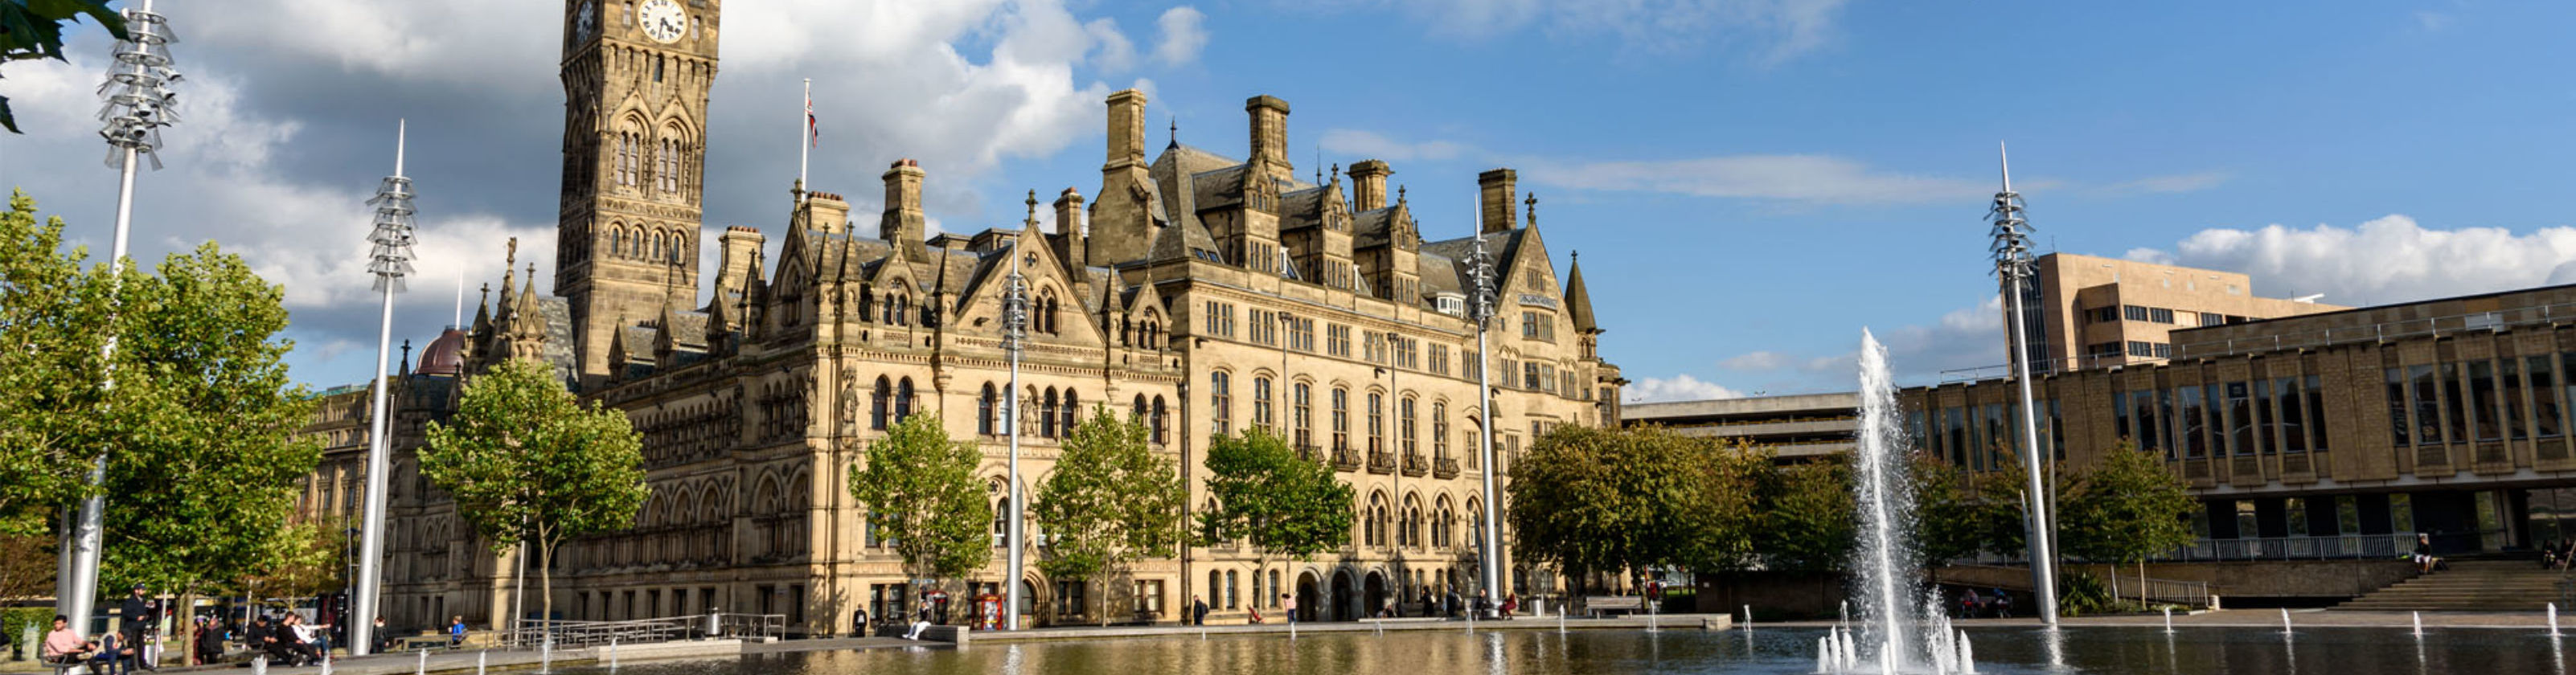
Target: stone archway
(1375,594)
(1309,595)
(1343,596)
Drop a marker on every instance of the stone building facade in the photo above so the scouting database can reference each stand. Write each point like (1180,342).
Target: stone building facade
(2336,434)
(1200,293)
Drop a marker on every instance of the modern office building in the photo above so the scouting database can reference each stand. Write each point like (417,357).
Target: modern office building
(2322,434)
(1795,427)
(2088,311)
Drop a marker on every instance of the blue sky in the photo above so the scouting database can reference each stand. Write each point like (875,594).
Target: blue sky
(1750,183)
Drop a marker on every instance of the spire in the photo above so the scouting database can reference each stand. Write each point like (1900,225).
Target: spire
(483,310)
(1578,301)
(1532,201)
(1032,221)
(1176,133)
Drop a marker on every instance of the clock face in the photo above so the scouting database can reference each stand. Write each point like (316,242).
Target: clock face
(662,20)
(584,22)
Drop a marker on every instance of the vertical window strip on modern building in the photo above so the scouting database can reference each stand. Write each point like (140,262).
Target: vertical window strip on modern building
(2240,420)
(2515,426)
(2194,445)
(2428,405)
(2482,401)
(2546,402)
(2396,393)
(2294,430)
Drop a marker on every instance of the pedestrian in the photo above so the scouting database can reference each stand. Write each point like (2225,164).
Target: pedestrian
(1428,608)
(1449,604)
(2003,604)
(62,646)
(209,647)
(456,631)
(1970,604)
(137,613)
(1511,605)
(1198,610)
(1290,602)
(384,638)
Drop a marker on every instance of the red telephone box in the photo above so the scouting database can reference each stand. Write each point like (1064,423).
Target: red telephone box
(988,612)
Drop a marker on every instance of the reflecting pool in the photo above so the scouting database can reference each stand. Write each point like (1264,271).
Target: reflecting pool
(2000,651)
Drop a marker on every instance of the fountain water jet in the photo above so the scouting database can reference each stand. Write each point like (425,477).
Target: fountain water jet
(1886,563)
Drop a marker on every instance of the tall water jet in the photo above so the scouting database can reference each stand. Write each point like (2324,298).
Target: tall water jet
(1886,559)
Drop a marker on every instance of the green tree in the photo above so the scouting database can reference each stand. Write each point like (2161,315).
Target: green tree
(1284,507)
(1110,502)
(1589,500)
(1950,521)
(33,29)
(920,489)
(55,320)
(310,559)
(1808,516)
(2131,507)
(526,462)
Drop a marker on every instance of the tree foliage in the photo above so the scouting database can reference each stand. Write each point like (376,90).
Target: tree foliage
(526,462)
(55,320)
(310,558)
(1283,507)
(1608,500)
(33,29)
(2130,507)
(1951,522)
(1110,502)
(1809,516)
(920,489)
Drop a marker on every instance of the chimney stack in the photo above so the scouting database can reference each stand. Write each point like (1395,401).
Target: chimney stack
(1495,191)
(1368,185)
(1269,133)
(903,221)
(1126,128)
(1068,227)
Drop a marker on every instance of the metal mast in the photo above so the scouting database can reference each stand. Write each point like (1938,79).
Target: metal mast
(2011,251)
(138,104)
(1480,308)
(389,261)
(1015,336)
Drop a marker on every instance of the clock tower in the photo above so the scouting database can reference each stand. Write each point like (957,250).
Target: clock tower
(635,77)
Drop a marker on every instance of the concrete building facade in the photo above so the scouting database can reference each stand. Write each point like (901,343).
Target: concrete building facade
(1795,427)
(2334,434)
(2086,311)
(1199,293)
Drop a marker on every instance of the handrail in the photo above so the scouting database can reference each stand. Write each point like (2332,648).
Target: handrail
(2171,591)
(566,634)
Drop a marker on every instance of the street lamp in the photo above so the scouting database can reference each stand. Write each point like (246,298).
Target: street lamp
(389,261)
(1480,308)
(138,104)
(1015,337)
(2011,251)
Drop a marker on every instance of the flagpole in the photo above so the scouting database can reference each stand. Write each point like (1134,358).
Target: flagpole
(805,139)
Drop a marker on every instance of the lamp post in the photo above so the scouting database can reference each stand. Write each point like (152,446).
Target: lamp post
(1480,308)
(2011,251)
(139,104)
(390,260)
(1015,336)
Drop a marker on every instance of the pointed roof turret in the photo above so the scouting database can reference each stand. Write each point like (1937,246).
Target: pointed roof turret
(1578,301)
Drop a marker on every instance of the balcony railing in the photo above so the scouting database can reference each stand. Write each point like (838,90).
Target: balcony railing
(1415,465)
(1381,462)
(1310,453)
(1346,459)
(1444,468)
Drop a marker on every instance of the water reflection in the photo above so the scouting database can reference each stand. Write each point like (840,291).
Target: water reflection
(1770,651)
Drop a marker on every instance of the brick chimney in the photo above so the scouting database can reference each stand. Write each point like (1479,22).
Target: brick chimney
(1368,185)
(1068,228)
(1495,192)
(903,221)
(1126,128)
(1269,133)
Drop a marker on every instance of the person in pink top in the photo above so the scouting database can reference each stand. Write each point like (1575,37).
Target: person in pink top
(64,646)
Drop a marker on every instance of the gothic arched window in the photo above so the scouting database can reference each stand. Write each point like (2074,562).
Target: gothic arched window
(1301,415)
(1046,414)
(1376,422)
(1341,419)
(1221,401)
(1159,420)
(878,404)
(1440,430)
(1261,402)
(1072,410)
(984,405)
(903,400)
(1404,424)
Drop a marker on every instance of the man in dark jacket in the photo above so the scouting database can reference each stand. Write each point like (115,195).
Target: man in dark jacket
(210,642)
(138,613)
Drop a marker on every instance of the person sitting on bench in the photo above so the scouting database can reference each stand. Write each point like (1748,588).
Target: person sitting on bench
(64,647)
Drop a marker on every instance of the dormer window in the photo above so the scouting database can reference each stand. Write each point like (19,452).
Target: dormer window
(1453,304)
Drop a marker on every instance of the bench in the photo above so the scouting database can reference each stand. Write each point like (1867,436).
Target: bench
(1596,605)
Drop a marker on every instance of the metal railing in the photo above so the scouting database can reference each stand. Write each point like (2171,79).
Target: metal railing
(2340,547)
(2169,591)
(583,634)
(2495,321)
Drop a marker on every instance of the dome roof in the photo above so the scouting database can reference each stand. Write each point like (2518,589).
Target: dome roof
(445,355)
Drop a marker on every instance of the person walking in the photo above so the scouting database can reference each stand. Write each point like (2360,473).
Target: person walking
(456,631)
(1198,610)
(1290,603)
(1429,609)
(210,642)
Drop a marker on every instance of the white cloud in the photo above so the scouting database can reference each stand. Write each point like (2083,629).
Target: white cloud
(1116,53)
(1184,34)
(2386,260)
(1816,179)
(1681,387)
(1373,146)
(1774,31)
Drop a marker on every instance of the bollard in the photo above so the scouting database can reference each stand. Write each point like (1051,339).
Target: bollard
(423,668)
(481,659)
(612,653)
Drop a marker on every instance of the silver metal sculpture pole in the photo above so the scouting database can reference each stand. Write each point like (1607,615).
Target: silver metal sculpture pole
(138,104)
(2012,263)
(1481,309)
(391,260)
(1015,335)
